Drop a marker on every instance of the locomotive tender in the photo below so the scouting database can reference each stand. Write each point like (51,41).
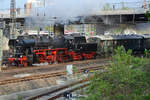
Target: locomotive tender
(31,49)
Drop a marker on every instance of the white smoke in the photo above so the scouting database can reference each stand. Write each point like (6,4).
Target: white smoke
(69,8)
(61,11)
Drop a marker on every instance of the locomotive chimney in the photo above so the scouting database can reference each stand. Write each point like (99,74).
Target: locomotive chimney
(58,29)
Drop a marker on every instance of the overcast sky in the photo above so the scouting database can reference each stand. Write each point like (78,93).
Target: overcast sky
(5,4)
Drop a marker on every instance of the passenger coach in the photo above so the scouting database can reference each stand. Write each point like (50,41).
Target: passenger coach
(108,43)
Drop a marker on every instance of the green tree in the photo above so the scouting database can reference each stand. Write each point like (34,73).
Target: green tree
(128,78)
(148,13)
(123,6)
(107,7)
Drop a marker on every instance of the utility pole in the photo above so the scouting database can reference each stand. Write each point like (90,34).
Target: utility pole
(1,48)
(12,24)
(13,19)
(2,27)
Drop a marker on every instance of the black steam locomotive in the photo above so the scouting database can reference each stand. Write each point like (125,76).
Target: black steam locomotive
(32,49)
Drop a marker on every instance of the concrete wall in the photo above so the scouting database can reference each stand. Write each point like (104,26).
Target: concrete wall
(88,29)
(139,28)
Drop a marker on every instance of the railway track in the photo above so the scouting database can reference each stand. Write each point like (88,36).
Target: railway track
(48,75)
(14,68)
(60,91)
(50,68)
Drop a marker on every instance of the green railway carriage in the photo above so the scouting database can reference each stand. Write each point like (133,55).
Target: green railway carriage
(145,42)
(108,43)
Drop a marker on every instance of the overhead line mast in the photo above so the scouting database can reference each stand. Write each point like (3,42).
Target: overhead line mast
(13,19)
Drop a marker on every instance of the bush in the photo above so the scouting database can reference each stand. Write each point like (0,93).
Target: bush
(128,78)
(147,53)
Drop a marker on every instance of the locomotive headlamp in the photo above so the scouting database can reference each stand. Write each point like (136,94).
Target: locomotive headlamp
(21,56)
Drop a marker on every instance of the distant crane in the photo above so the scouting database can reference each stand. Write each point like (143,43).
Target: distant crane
(13,19)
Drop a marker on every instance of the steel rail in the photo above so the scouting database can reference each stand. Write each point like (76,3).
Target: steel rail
(48,75)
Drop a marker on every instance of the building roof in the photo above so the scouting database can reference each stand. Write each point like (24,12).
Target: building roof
(146,36)
(117,37)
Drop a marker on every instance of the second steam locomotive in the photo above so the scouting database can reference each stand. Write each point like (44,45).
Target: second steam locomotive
(31,49)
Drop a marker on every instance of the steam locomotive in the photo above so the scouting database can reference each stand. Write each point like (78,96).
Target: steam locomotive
(31,49)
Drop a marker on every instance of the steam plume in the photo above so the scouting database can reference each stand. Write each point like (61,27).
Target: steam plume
(60,11)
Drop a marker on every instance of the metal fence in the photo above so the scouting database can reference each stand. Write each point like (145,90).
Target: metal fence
(129,5)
